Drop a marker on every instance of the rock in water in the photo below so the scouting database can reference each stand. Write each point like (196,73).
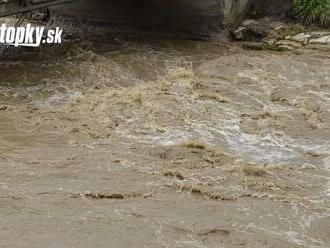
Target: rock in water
(324,40)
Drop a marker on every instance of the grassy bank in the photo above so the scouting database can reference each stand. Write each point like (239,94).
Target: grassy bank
(312,11)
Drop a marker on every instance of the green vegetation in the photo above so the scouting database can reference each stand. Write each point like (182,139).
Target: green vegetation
(291,30)
(312,11)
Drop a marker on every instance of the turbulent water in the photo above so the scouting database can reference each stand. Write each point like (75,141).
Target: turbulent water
(139,139)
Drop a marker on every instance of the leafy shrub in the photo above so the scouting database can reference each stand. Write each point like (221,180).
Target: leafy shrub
(312,11)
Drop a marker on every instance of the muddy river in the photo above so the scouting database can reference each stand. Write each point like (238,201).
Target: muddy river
(139,139)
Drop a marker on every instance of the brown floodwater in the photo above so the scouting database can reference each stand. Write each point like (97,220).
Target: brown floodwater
(121,138)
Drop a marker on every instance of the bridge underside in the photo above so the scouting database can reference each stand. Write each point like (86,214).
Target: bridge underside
(145,12)
(140,12)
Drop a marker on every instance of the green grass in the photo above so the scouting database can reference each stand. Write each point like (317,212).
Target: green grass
(312,11)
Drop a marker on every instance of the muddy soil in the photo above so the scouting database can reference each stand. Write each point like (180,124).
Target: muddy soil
(123,139)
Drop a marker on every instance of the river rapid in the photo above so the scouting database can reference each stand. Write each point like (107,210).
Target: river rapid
(136,138)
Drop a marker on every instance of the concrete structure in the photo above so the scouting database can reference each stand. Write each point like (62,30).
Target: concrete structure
(142,12)
(12,7)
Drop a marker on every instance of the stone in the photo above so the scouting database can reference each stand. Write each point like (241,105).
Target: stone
(301,38)
(259,30)
(288,45)
(318,34)
(324,40)
(238,34)
(254,30)
(248,22)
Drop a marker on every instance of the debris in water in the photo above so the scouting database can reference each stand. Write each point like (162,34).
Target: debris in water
(213,96)
(253,170)
(176,174)
(214,231)
(99,195)
(199,190)
(95,135)
(193,144)
(75,130)
(3,108)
